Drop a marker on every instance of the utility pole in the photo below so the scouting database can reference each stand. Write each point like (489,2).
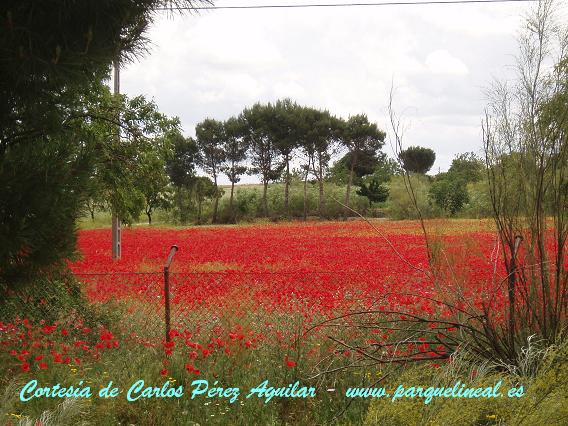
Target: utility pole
(116,231)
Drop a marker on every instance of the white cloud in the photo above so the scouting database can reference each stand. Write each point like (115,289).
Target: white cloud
(443,62)
(440,57)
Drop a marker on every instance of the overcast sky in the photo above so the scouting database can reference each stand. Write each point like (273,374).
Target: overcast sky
(441,57)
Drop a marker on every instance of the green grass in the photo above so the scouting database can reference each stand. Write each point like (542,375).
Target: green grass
(544,400)
(250,209)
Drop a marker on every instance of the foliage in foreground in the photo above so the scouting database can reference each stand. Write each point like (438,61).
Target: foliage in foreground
(221,352)
(545,399)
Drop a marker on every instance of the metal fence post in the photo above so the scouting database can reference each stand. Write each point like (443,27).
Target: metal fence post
(173,251)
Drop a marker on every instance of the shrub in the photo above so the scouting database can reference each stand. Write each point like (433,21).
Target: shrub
(247,204)
(400,205)
(479,204)
(449,193)
(49,299)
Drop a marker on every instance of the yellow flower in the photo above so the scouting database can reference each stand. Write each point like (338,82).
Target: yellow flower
(491,417)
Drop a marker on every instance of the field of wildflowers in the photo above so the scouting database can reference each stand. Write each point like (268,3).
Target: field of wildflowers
(323,303)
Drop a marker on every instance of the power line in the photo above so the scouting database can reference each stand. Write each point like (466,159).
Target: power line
(303,6)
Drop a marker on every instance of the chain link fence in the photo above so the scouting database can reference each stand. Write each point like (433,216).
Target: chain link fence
(152,303)
(147,306)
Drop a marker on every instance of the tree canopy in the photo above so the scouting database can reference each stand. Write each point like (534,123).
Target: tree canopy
(417,159)
(362,139)
(55,112)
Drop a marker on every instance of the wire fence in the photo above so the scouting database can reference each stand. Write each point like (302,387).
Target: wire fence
(158,302)
(161,301)
(148,306)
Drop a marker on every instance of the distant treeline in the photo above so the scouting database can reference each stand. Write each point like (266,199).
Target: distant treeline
(290,145)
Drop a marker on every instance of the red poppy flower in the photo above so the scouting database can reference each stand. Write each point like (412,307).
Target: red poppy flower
(191,369)
(289,362)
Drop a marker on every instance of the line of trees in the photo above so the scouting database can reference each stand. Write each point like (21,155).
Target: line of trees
(265,140)
(161,170)
(155,167)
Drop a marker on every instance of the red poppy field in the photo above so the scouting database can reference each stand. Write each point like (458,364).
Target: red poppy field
(326,266)
(234,289)
(328,303)
(249,281)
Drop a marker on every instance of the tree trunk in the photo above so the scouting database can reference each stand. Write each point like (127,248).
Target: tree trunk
(187,212)
(349,183)
(287,188)
(264,199)
(306,192)
(231,202)
(216,202)
(179,203)
(149,217)
(321,197)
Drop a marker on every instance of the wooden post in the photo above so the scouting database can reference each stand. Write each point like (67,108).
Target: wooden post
(173,251)
(116,231)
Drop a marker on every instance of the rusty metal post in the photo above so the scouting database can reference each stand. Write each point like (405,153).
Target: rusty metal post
(173,251)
